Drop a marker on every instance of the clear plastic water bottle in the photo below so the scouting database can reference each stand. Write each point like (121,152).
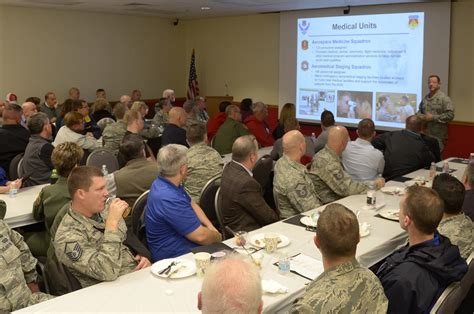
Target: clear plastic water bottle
(445,167)
(105,171)
(284,264)
(371,195)
(432,171)
(13,189)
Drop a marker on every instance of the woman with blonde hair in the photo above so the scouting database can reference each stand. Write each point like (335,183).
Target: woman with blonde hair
(288,111)
(101,110)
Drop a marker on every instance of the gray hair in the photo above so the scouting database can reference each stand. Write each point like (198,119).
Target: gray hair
(232,285)
(170,159)
(37,122)
(167,93)
(243,147)
(258,107)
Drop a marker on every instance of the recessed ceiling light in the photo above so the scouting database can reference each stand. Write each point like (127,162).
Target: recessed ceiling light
(205,8)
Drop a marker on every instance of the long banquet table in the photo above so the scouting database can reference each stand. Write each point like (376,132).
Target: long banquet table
(20,207)
(142,292)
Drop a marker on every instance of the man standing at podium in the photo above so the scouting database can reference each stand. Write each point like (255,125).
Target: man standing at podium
(436,110)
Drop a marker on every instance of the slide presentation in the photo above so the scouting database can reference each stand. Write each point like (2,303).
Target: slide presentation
(362,66)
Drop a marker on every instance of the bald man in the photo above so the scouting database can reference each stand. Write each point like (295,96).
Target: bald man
(28,109)
(174,132)
(292,185)
(330,179)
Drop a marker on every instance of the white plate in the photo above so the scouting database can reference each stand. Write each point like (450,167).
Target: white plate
(418,182)
(187,268)
(393,190)
(308,221)
(261,244)
(391,214)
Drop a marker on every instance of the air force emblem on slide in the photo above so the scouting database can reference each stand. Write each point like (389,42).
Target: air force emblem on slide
(413,21)
(73,250)
(304,26)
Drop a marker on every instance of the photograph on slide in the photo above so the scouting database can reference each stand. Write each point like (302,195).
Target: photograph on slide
(354,104)
(312,102)
(395,107)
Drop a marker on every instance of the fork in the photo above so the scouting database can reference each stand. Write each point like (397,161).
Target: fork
(167,269)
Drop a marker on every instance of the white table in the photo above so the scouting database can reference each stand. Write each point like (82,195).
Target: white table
(20,207)
(142,292)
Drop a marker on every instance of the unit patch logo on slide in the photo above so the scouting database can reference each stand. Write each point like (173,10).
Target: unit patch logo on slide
(413,21)
(304,26)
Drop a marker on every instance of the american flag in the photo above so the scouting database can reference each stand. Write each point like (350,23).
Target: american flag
(193,86)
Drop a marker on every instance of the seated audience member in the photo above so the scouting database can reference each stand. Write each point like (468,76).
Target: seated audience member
(230,130)
(145,132)
(101,111)
(134,120)
(113,134)
(174,222)
(169,94)
(174,132)
(242,204)
(292,124)
(162,109)
(53,197)
(63,108)
(468,181)
(90,125)
(360,159)
(344,286)
(5,184)
(231,285)
(288,111)
(140,106)
(18,276)
(100,93)
(191,109)
(136,95)
(35,100)
(246,108)
(2,107)
(126,100)
(327,122)
(49,106)
(138,174)
(72,132)
(293,187)
(204,162)
(28,109)
(12,98)
(217,120)
(202,115)
(404,151)
(36,163)
(93,250)
(414,276)
(13,137)
(74,93)
(258,126)
(330,180)
(455,224)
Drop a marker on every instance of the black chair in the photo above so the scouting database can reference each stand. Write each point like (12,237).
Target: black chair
(13,170)
(138,210)
(225,234)
(102,156)
(42,279)
(262,170)
(453,296)
(104,122)
(208,197)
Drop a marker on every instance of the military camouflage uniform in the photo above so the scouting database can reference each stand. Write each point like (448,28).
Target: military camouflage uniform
(161,118)
(204,162)
(294,188)
(330,180)
(91,253)
(151,132)
(442,109)
(113,135)
(203,116)
(192,120)
(346,288)
(460,231)
(17,268)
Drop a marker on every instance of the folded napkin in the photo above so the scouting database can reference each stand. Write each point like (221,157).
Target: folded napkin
(306,266)
(271,286)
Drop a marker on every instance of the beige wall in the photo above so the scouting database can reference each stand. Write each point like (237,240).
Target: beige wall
(53,50)
(241,52)
(461,77)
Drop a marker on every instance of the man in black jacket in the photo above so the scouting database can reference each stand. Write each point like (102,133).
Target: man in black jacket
(415,276)
(404,151)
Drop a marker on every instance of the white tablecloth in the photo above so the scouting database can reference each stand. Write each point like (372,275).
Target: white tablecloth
(142,292)
(20,208)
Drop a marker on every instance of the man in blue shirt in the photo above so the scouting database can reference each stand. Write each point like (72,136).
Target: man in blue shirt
(174,223)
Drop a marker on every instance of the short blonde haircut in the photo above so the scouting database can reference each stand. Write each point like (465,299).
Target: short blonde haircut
(131,116)
(65,157)
(100,104)
(73,118)
(137,105)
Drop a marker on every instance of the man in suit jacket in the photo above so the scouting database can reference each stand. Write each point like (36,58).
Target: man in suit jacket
(404,151)
(241,201)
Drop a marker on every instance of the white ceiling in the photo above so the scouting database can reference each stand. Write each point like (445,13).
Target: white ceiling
(191,9)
